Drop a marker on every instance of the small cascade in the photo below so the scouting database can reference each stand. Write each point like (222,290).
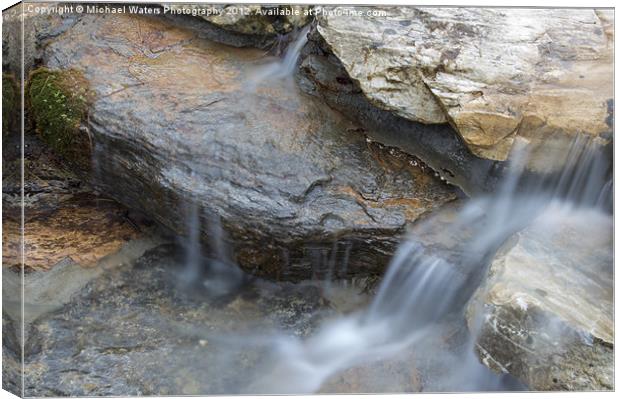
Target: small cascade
(193,249)
(281,68)
(217,273)
(425,290)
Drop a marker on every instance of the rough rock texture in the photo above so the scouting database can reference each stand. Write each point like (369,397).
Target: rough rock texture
(440,147)
(493,74)
(38,29)
(71,235)
(547,305)
(175,121)
(240,25)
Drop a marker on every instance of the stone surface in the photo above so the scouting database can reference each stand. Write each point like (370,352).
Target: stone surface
(546,307)
(64,219)
(177,120)
(37,30)
(493,74)
(134,331)
(438,145)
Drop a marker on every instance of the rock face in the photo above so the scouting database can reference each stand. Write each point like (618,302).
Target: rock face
(176,120)
(323,76)
(547,305)
(493,74)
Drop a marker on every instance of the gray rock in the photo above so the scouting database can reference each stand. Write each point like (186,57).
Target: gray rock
(134,331)
(546,308)
(38,29)
(174,122)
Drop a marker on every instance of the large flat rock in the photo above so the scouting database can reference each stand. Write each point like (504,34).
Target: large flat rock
(175,121)
(493,74)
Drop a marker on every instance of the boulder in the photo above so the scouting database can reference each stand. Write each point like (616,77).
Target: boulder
(322,75)
(493,74)
(546,308)
(174,121)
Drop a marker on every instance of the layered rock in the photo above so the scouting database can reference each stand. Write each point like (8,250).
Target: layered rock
(492,74)
(175,120)
(63,219)
(546,308)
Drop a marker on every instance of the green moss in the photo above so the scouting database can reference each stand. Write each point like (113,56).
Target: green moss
(58,101)
(9,102)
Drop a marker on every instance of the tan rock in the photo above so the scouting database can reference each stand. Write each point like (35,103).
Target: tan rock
(494,74)
(547,306)
(84,231)
(63,219)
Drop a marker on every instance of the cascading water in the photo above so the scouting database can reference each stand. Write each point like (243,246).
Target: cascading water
(216,273)
(425,290)
(281,68)
(420,303)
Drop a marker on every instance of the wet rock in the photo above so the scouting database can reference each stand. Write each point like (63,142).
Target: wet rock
(438,65)
(241,25)
(70,236)
(133,330)
(546,309)
(176,120)
(438,145)
(64,219)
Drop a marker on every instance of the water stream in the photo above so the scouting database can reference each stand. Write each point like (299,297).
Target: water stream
(183,318)
(280,69)
(424,290)
(421,300)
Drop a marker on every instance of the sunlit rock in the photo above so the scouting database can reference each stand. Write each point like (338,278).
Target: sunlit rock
(546,309)
(493,74)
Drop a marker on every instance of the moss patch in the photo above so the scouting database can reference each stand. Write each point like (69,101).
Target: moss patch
(9,102)
(59,102)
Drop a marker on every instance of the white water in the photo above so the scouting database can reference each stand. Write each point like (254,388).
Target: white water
(280,68)
(216,273)
(424,291)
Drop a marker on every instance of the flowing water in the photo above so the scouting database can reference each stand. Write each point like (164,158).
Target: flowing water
(419,305)
(215,330)
(281,68)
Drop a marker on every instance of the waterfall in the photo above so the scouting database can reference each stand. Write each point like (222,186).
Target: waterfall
(217,274)
(280,68)
(424,289)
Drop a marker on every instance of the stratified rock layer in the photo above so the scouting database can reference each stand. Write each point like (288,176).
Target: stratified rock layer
(547,304)
(176,120)
(63,218)
(493,74)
